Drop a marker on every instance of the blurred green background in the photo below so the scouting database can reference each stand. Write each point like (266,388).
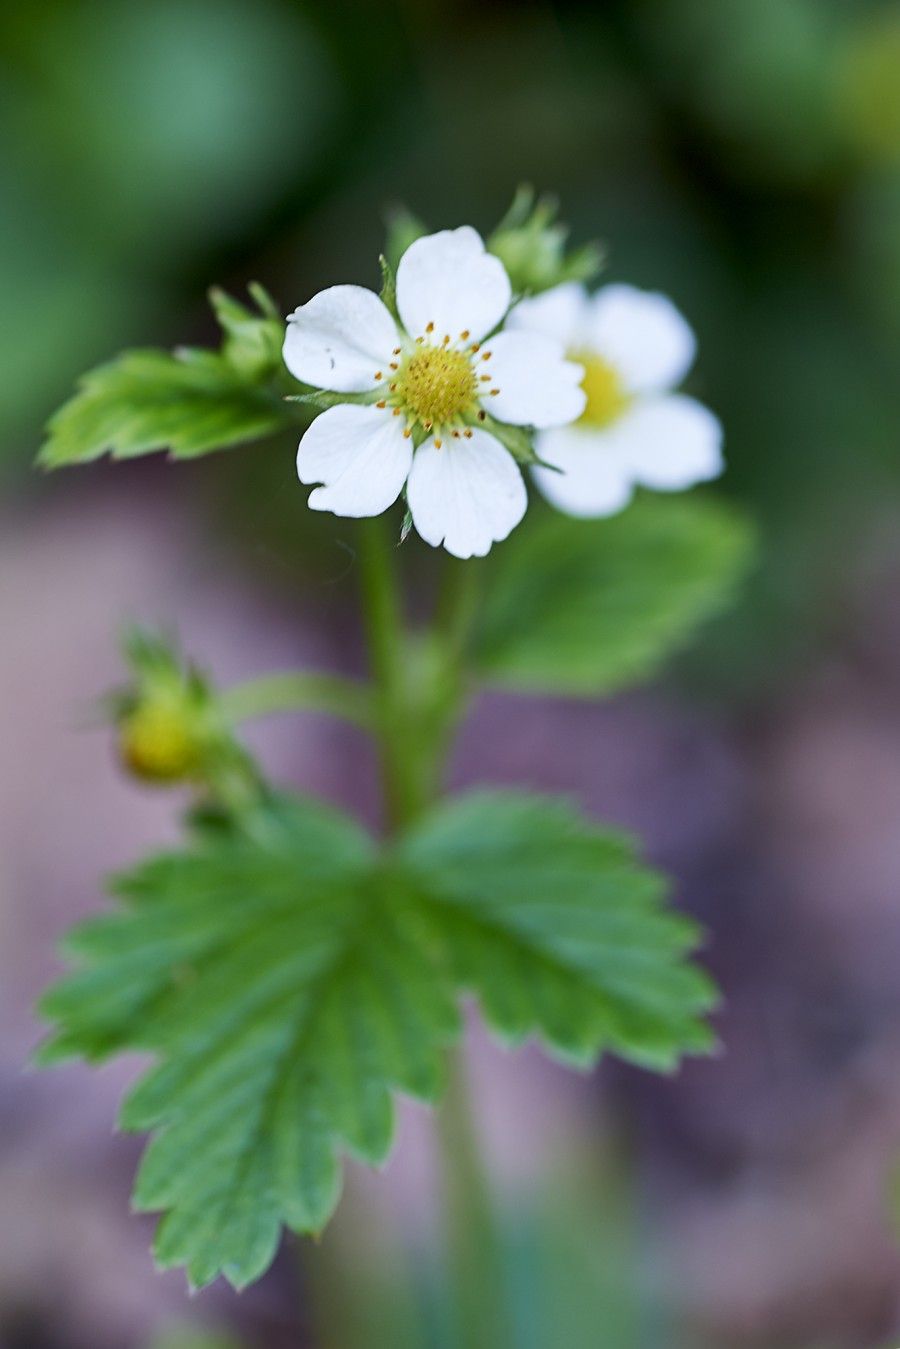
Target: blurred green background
(742,155)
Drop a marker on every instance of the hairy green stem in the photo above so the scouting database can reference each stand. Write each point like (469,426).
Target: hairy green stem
(420,692)
(385,632)
(296,691)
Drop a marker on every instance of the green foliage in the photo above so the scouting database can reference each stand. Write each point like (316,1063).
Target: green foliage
(289,977)
(189,401)
(558,930)
(585,607)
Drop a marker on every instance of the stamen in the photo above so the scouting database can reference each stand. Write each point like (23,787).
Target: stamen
(464,334)
(429,327)
(396,351)
(467,433)
(445,340)
(495,391)
(476,346)
(485,379)
(482,416)
(396,412)
(486,356)
(379,374)
(394,365)
(406,433)
(436,386)
(455,435)
(382,403)
(438,444)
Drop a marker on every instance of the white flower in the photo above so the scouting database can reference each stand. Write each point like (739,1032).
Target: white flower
(430,379)
(635,348)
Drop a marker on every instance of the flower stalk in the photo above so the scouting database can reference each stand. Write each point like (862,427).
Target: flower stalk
(420,692)
(300,690)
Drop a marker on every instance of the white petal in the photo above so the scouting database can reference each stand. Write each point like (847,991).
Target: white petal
(339,339)
(643,335)
(361,456)
(467,495)
(560,312)
(537,385)
(449,280)
(671,443)
(595,478)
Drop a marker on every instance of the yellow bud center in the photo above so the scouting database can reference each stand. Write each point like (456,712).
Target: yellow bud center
(435,386)
(155,743)
(607,397)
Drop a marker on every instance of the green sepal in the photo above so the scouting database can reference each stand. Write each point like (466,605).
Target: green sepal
(252,340)
(403,229)
(388,286)
(519,440)
(322,399)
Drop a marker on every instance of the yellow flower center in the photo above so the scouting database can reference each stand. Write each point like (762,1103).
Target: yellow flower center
(435,386)
(607,397)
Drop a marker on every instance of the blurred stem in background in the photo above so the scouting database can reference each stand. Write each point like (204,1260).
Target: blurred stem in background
(474,1248)
(336,695)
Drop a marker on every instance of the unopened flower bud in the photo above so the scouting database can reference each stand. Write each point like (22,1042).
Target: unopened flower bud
(158,743)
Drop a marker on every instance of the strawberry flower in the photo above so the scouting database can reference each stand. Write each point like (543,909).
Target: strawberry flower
(635,348)
(424,393)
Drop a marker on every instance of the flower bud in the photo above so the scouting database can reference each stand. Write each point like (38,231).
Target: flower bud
(158,742)
(531,244)
(169,723)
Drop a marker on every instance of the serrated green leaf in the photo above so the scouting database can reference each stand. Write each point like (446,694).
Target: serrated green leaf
(284,990)
(586,607)
(290,978)
(559,930)
(190,402)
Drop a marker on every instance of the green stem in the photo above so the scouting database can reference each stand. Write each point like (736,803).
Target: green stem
(457,607)
(420,689)
(382,607)
(312,691)
(474,1252)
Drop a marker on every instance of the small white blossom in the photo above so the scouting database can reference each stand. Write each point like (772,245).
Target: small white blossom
(635,348)
(431,379)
